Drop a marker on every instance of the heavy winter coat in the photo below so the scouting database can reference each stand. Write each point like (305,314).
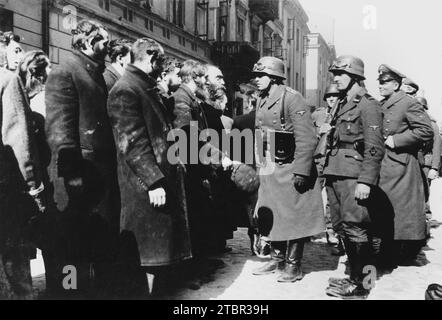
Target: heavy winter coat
(295,215)
(401,176)
(141,127)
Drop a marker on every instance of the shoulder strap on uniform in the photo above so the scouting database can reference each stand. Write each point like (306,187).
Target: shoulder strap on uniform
(283,109)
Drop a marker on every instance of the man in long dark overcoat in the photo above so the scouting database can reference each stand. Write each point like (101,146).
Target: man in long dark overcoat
(80,137)
(406,128)
(154,213)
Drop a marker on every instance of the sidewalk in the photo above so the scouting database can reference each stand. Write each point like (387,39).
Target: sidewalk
(234,281)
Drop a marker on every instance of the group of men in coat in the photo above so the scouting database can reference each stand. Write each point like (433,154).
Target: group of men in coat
(115,202)
(120,204)
(376,183)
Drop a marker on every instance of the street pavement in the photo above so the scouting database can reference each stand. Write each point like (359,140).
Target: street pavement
(231,277)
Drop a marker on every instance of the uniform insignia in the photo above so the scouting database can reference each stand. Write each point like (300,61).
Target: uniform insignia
(374,128)
(373,151)
(301,113)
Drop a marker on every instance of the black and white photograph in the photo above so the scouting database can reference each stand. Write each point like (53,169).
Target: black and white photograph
(241,151)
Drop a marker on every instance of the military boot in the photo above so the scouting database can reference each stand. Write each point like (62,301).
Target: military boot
(277,262)
(353,288)
(339,250)
(293,271)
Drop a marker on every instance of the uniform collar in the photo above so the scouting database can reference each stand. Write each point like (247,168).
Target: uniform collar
(395,97)
(352,101)
(272,99)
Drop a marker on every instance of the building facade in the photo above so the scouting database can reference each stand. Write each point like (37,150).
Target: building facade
(47,24)
(319,59)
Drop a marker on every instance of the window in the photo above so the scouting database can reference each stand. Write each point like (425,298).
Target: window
(297,82)
(148,24)
(222,21)
(166,33)
(131,16)
(202,16)
(177,7)
(105,4)
(194,46)
(240,29)
(298,39)
(6,20)
(182,41)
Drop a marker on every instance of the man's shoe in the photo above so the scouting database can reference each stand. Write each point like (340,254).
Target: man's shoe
(332,240)
(339,250)
(348,291)
(291,273)
(269,268)
(337,282)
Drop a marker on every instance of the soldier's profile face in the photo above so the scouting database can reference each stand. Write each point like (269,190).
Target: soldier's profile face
(342,80)
(262,81)
(387,88)
(331,101)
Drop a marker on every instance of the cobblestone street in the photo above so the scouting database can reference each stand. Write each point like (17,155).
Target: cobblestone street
(234,279)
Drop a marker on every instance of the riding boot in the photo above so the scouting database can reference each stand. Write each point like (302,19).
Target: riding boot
(293,271)
(359,256)
(278,251)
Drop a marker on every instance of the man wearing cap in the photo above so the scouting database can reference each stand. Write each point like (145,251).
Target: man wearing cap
(352,173)
(289,195)
(409,87)
(431,153)
(406,127)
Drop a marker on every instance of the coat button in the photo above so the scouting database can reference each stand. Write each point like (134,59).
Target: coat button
(387,129)
(388,121)
(274,121)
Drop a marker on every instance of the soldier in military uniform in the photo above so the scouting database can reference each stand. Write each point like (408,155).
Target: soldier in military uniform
(431,158)
(289,193)
(352,172)
(406,128)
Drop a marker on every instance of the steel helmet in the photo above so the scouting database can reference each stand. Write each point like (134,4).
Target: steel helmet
(423,102)
(271,66)
(332,90)
(349,64)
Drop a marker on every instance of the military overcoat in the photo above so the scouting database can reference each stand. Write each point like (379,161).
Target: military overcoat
(295,215)
(401,177)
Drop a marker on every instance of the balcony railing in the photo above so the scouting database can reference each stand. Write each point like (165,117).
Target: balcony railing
(265,9)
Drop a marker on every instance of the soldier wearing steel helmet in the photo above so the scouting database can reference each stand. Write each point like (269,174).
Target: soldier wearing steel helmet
(406,128)
(352,172)
(290,194)
(319,116)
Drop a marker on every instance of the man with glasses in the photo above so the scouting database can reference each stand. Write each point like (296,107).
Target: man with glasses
(406,128)
(352,172)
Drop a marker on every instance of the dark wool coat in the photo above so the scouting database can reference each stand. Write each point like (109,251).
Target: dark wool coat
(16,206)
(295,215)
(141,128)
(401,177)
(78,130)
(111,76)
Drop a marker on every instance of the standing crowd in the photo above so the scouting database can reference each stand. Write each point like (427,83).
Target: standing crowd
(87,174)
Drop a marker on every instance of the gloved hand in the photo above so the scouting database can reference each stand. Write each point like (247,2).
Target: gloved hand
(300,183)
